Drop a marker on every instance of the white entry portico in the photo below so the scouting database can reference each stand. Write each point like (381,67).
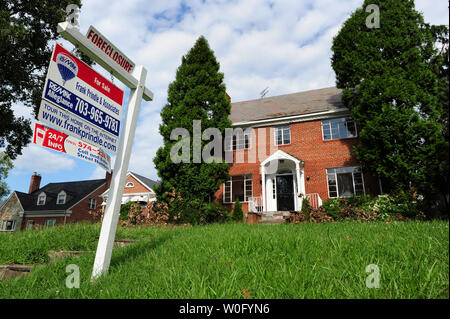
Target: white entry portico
(283,182)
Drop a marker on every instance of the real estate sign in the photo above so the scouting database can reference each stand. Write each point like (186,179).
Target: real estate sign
(58,141)
(81,102)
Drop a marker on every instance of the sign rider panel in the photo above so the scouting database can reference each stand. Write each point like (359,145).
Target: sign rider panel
(58,141)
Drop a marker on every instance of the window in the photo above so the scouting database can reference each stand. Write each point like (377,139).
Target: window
(92,203)
(282,135)
(239,140)
(30,224)
(129,184)
(345,181)
(41,199)
(238,187)
(9,225)
(338,128)
(61,198)
(50,222)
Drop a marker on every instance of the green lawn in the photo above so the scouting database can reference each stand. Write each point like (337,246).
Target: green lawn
(219,261)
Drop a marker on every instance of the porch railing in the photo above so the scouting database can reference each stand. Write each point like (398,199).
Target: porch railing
(314,200)
(255,204)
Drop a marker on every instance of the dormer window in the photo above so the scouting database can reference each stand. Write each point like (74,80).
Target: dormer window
(61,198)
(129,185)
(41,199)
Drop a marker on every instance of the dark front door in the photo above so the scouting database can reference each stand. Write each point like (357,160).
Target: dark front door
(285,193)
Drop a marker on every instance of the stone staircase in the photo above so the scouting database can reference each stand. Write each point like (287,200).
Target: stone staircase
(272,218)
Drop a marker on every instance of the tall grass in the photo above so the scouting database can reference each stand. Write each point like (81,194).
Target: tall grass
(220,261)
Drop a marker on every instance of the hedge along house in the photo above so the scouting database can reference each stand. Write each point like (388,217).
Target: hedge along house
(294,146)
(53,204)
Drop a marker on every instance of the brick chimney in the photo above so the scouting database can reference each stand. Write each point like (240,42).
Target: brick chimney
(108,177)
(35,182)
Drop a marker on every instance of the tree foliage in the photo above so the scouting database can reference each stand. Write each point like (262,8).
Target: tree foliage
(390,85)
(5,166)
(26,30)
(198,93)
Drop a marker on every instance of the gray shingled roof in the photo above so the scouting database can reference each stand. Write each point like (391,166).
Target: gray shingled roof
(306,102)
(75,192)
(147,181)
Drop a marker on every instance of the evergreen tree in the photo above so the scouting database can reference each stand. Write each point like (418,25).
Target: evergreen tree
(198,93)
(238,213)
(391,90)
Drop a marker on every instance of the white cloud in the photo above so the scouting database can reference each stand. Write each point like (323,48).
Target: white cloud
(38,159)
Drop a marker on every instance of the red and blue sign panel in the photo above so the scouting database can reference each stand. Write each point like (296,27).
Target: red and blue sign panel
(81,102)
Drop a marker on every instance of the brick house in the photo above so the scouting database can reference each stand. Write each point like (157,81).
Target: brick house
(293,146)
(53,204)
(138,189)
(67,202)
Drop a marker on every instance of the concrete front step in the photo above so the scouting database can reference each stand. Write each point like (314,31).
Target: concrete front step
(277,213)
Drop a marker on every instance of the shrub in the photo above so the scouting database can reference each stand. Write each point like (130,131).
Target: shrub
(216,213)
(238,214)
(195,212)
(124,210)
(305,209)
(332,207)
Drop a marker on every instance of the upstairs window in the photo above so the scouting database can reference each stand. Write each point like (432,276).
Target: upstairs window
(282,135)
(61,198)
(238,187)
(345,181)
(129,185)
(239,140)
(41,199)
(338,128)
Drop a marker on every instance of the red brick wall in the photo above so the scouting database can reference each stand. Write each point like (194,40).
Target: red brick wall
(137,188)
(306,144)
(80,211)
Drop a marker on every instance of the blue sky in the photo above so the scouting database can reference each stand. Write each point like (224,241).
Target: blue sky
(283,45)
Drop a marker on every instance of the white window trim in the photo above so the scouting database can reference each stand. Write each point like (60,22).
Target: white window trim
(231,188)
(282,135)
(246,132)
(5,222)
(93,199)
(46,224)
(129,186)
(342,138)
(353,180)
(39,196)
(57,198)
(30,222)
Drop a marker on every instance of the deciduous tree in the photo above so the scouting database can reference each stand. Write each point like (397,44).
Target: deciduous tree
(27,29)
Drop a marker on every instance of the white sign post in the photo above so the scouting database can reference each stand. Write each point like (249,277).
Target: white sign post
(136,82)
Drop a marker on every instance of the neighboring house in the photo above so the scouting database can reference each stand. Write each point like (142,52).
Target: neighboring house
(313,137)
(53,204)
(138,189)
